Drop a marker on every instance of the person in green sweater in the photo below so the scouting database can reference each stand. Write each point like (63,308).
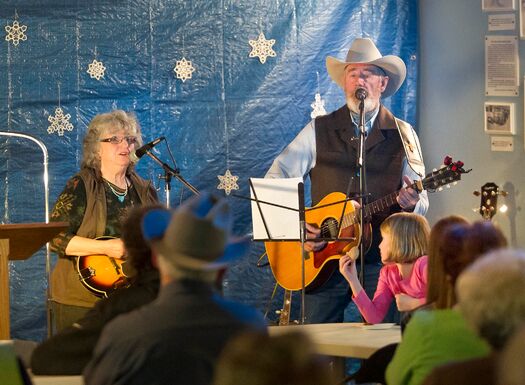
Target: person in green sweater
(435,337)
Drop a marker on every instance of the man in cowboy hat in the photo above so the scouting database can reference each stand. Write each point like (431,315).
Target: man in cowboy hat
(327,149)
(177,338)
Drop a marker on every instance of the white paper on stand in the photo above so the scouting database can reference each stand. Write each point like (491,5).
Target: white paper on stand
(282,223)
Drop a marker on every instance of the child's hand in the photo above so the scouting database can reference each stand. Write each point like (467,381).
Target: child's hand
(406,303)
(347,265)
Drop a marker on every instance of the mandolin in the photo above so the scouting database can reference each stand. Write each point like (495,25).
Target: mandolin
(101,274)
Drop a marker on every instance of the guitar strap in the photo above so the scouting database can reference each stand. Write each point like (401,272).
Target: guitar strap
(411,146)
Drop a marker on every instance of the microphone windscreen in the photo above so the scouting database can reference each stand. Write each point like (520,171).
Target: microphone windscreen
(133,157)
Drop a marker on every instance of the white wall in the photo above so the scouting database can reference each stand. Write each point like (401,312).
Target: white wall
(451,97)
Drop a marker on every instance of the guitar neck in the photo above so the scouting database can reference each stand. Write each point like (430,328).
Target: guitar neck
(371,209)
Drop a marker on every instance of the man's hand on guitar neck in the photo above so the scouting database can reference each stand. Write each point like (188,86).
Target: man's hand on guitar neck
(407,197)
(313,232)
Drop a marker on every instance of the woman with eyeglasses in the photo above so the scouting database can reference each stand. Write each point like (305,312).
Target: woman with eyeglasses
(93,202)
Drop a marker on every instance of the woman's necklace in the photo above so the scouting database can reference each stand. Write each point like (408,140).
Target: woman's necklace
(119,194)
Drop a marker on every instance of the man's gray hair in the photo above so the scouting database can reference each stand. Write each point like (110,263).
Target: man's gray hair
(490,295)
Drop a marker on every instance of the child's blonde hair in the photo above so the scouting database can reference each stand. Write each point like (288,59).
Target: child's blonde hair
(409,235)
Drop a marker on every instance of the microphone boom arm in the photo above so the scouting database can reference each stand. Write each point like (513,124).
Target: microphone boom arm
(171,171)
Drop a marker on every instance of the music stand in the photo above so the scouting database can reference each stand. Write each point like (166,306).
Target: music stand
(287,240)
(20,242)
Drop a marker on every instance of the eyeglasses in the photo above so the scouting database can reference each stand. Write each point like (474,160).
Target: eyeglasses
(117,140)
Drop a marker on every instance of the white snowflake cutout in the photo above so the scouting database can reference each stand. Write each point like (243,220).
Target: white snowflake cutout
(228,182)
(59,122)
(184,69)
(262,48)
(15,32)
(96,69)
(318,107)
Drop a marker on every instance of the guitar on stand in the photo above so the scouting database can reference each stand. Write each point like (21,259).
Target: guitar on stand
(284,313)
(488,206)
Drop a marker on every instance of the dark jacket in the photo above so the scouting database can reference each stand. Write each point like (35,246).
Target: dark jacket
(70,350)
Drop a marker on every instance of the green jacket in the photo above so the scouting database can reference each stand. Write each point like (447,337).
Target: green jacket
(432,338)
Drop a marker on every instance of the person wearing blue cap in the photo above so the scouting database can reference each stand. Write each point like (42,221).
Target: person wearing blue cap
(178,337)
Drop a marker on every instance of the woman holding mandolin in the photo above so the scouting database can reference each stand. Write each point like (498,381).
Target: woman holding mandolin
(93,202)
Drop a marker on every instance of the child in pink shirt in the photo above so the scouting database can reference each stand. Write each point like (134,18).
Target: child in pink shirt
(404,274)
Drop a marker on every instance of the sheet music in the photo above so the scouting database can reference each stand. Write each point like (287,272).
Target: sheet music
(282,223)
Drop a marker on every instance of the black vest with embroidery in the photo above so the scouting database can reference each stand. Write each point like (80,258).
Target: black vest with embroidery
(336,160)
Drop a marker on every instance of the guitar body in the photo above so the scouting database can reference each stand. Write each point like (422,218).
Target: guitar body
(101,274)
(285,257)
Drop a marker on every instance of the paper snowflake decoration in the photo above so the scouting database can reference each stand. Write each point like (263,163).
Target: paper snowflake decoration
(184,69)
(96,69)
(318,107)
(59,122)
(228,182)
(15,32)
(262,48)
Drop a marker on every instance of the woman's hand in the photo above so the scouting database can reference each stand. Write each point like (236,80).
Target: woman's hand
(113,248)
(406,303)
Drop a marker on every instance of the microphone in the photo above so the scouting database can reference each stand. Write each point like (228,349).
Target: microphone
(361,94)
(139,152)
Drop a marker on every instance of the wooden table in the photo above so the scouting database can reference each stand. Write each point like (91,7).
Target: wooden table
(346,339)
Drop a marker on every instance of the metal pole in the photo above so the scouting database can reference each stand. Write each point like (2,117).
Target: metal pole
(46,202)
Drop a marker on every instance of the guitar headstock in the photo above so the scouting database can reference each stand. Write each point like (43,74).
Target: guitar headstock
(488,206)
(449,173)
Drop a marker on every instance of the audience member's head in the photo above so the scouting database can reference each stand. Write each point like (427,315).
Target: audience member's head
(138,251)
(440,291)
(490,295)
(194,241)
(408,234)
(456,245)
(259,359)
(511,370)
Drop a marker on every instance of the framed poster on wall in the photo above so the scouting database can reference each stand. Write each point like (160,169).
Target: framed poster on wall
(497,5)
(499,118)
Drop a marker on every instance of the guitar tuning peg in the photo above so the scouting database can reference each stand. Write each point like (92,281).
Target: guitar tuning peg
(476,193)
(503,193)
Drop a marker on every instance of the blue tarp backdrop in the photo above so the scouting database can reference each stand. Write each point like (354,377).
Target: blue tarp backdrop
(234,113)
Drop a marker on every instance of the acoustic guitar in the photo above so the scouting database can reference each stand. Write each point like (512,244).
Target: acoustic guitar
(488,206)
(285,257)
(101,274)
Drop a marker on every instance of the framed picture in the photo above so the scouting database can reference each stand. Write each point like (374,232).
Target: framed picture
(497,5)
(499,118)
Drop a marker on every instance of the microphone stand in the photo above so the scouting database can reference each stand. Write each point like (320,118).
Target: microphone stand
(362,185)
(170,172)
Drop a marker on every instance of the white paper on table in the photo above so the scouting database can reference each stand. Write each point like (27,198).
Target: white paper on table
(282,223)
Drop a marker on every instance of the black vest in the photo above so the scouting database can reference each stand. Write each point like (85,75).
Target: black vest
(337,157)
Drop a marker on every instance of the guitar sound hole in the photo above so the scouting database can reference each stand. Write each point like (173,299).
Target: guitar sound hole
(329,228)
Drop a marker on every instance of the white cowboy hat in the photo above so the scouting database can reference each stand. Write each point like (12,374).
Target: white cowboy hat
(364,51)
(197,235)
